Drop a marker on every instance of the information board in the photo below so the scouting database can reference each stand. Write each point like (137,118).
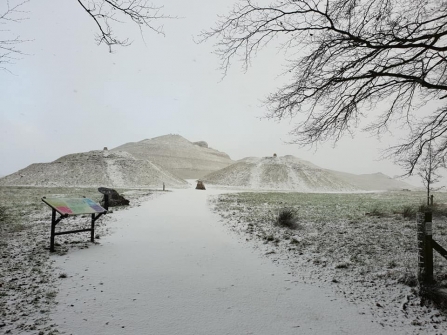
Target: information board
(74,206)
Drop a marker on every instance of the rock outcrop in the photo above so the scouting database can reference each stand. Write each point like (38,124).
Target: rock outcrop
(202,144)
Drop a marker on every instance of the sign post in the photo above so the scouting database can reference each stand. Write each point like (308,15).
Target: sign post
(69,207)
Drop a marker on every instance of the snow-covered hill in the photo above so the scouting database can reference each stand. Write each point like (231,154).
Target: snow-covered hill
(185,159)
(170,158)
(278,173)
(292,173)
(94,168)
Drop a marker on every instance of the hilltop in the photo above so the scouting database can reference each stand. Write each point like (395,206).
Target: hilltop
(188,160)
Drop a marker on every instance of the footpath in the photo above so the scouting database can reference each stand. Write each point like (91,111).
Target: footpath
(170,267)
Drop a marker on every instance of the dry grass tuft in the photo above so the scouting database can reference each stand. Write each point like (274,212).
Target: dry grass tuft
(287,218)
(409,212)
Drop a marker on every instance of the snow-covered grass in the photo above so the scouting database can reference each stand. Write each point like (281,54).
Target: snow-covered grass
(27,279)
(361,243)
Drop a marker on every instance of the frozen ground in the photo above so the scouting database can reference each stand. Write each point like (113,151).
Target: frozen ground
(171,268)
(359,244)
(28,280)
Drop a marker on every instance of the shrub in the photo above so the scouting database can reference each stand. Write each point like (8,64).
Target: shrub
(408,279)
(342,265)
(270,238)
(376,211)
(409,212)
(287,218)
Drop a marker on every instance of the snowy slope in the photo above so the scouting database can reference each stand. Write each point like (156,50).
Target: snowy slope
(292,173)
(178,155)
(278,173)
(94,168)
(374,181)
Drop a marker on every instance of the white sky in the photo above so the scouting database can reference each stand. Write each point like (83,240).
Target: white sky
(70,95)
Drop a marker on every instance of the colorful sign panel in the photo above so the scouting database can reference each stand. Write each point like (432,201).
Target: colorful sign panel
(74,206)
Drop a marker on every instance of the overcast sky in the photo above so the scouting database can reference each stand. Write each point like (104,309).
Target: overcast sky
(69,95)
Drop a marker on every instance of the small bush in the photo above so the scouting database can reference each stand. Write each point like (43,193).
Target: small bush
(409,212)
(270,238)
(376,211)
(51,294)
(408,279)
(287,218)
(342,265)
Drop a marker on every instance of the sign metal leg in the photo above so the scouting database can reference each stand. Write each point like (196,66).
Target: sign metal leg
(53,229)
(92,232)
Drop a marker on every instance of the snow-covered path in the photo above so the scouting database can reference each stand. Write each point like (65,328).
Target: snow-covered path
(171,268)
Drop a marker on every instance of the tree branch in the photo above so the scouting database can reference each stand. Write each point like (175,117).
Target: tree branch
(353,55)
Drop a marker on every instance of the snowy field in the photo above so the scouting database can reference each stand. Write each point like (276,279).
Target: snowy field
(169,265)
(361,244)
(28,280)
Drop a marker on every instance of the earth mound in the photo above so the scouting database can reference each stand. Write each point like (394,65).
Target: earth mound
(188,160)
(93,169)
(294,174)
(278,173)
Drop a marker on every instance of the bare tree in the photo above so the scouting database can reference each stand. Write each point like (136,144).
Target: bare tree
(104,13)
(349,58)
(8,42)
(428,170)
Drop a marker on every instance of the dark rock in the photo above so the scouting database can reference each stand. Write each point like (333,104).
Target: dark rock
(202,144)
(200,185)
(114,198)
